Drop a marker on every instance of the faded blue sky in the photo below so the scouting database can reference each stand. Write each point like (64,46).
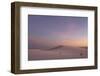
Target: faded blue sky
(45,31)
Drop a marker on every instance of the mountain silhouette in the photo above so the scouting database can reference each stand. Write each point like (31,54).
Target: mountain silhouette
(62,47)
(84,47)
(57,47)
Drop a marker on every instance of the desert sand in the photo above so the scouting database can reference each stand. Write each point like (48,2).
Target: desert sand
(59,52)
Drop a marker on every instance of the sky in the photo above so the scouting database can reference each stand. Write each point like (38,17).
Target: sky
(48,31)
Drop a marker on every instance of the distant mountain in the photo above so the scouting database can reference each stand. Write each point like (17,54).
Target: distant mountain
(62,47)
(57,47)
(84,47)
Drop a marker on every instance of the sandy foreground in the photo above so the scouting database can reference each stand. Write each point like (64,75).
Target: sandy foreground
(58,53)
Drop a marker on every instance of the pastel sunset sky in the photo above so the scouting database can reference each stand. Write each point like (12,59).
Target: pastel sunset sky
(48,31)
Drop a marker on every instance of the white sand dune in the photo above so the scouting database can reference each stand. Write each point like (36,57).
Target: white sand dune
(60,52)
